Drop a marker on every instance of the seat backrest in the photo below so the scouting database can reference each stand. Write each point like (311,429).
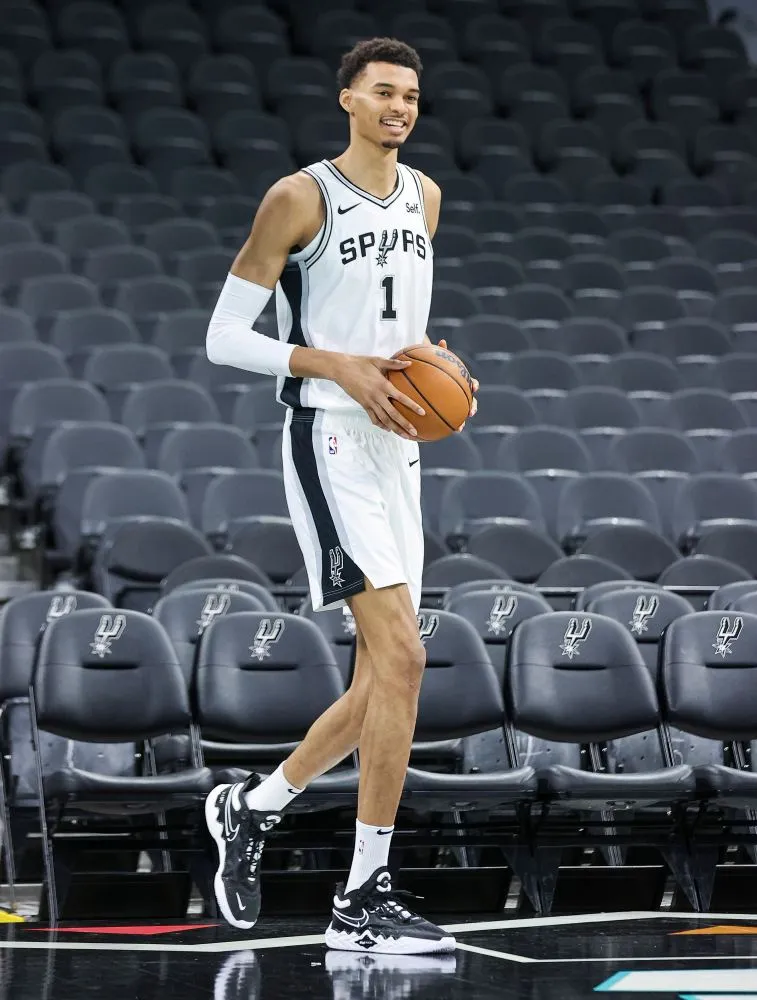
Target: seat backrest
(646,613)
(130,565)
(723,598)
(578,678)
(109,677)
(709,675)
(219,566)
(132,494)
(263,678)
(185,614)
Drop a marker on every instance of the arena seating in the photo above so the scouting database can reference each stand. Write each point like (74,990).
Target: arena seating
(594,265)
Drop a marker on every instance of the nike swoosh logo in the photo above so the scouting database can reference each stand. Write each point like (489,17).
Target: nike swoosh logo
(230,830)
(411,465)
(241,904)
(360,921)
(343,211)
(382,833)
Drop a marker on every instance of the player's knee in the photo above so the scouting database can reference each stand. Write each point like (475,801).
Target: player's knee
(405,661)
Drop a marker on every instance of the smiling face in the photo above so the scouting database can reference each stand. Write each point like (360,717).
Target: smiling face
(382,103)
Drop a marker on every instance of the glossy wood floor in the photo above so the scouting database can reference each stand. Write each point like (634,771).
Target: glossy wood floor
(563,958)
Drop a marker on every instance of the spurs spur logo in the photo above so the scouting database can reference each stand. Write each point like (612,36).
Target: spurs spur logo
(576,633)
(215,605)
(269,632)
(643,613)
(60,606)
(504,607)
(728,632)
(336,566)
(110,628)
(427,626)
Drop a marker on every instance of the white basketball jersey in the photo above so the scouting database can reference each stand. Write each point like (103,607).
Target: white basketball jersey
(363,286)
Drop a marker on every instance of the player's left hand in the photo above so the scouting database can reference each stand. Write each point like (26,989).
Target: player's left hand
(474,404)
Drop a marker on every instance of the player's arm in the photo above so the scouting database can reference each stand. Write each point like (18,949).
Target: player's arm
(288,216)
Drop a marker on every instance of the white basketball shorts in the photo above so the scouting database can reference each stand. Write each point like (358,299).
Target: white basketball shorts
(353,492)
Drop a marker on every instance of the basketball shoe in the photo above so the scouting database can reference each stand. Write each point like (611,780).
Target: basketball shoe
(370,918)
(239,834)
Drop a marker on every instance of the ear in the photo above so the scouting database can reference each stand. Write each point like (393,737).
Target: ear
(345,100)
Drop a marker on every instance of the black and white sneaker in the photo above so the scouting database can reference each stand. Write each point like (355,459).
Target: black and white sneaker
(372,919)
(239,834)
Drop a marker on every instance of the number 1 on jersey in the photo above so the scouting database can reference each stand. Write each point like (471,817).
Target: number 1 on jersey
(387,284)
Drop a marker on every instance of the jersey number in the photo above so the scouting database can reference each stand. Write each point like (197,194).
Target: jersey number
(387,284)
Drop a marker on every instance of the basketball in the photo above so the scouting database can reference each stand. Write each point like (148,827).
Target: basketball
(439,382)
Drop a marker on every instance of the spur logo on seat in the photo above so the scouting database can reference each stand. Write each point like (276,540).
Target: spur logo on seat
(728,632)
(60,606)
(576,633)
(269,632)
(504,607)
(110,628)
(427,626)
(215,605)
(643,613)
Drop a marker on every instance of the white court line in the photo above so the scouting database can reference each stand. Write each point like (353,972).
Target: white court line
(504,955)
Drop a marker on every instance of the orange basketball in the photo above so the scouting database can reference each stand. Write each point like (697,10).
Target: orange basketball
(439,382)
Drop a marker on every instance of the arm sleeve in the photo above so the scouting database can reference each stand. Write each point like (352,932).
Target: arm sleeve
(231,339)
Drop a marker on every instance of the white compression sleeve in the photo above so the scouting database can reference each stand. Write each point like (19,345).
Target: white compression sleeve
(232,341)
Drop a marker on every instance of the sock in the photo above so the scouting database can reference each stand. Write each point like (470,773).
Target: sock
(371,852)
(272,794)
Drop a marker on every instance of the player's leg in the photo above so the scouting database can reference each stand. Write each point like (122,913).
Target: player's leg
(240,815)
(366,914)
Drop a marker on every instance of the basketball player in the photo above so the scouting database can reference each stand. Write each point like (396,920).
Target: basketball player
(347,246)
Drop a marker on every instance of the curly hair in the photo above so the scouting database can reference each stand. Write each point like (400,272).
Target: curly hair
(388,50)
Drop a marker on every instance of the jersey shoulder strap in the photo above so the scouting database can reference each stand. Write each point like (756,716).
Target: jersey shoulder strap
(311,254)
(413,186)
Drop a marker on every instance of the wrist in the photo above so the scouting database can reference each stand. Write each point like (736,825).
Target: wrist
(310,362)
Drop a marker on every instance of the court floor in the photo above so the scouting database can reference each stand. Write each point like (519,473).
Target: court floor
(560,958)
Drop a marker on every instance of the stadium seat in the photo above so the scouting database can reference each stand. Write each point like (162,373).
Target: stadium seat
(600,499)
(221,572)
(722,598)
(640,551)
(524,552)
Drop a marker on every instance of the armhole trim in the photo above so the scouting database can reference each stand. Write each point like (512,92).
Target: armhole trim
(315,248)
(422,198)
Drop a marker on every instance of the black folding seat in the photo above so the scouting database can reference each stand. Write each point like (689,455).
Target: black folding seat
(537,305)
(85,137)
(714,49)
(704,409)
(103,709)
(251,31)
(117,369)
(727,251)
(693,282)
(646,449)
(502,407)
(638,249)
(222,573)
(138,81)
(197,454)
(579,571)
(93,27)
(711,499)
(725,597)
(25,32)
(109,181)
(233,497)
(334,32)
(522,551)
(138,553)
(736,372)
(595,284)
(52,401)
(721,149)
(598,407)
(650,307)
(692,337)
(735,310)
(182,335)
(81,236)
(220,83)
(454,242)
(24,620)
(646,613)
(600,499)
(533,449)
(607,98)
(694,193)
(431,35)
(45,297)
(599,692)
(17,120)
(322,136)
(109,266)
(535,193)
(151,410)
(175,30)
(457,92)
(540,250)
(533,13)
(200,187)
(615,192)
(590,338)
(20,180)
(49,208)
(240,137)
(643,553)
(302,81)
(460,567)
(738,453)
(643,49)
(272,546)
(76,445)
(484,498)
(21,363)
(167,138)
(17,230)
(175,236)
(231,388)
(684,99)
(569,45)
(596,590)
(492,41)
(11,79)
(736,543)
(494,166)
(148,300)
(542,370)
(485,337)
(185,614)
(15,326)
(533,96)
(65,79)
(702,571)
(454,452)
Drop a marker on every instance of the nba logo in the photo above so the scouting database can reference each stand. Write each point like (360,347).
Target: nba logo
(332,444)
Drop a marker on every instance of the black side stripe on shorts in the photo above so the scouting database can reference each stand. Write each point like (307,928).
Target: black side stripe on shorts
(340,576)
(291,286)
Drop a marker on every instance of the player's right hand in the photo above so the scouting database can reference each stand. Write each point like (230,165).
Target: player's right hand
(363,378)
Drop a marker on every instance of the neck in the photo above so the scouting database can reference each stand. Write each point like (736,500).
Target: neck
(369,167)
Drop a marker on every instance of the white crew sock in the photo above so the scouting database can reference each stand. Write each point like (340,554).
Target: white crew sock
(273,794)
(371,852)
